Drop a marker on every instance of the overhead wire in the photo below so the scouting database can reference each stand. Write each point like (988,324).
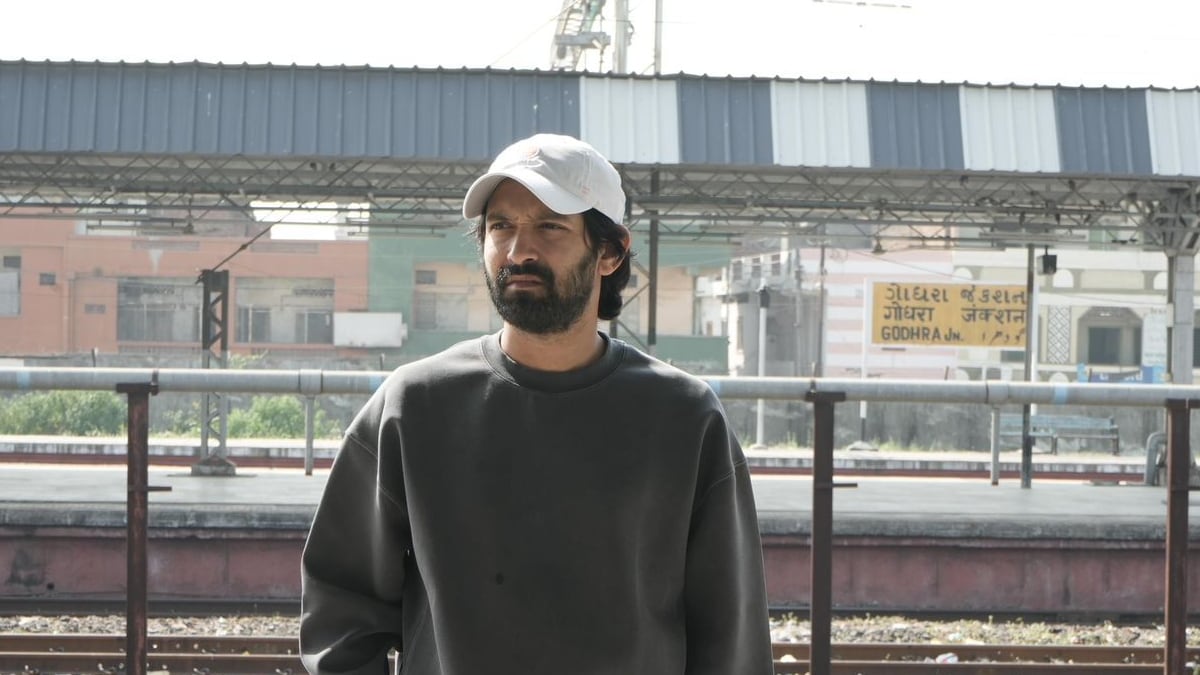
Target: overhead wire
(528,37)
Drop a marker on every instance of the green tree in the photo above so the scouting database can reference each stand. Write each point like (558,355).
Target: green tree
(276,417)
(64,413)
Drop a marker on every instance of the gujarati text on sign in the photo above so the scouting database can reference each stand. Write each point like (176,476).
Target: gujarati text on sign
(963,315)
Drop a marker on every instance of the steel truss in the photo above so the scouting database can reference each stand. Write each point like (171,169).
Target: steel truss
(923,208)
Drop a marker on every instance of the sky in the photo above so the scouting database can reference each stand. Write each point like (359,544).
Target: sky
(1114,43)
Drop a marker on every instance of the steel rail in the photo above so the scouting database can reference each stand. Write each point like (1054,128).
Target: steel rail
(313,382)
(245,654)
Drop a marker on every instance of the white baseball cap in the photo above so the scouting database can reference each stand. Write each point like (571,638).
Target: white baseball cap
(568,176)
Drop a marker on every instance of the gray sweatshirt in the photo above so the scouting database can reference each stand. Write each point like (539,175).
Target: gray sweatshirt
(483,517)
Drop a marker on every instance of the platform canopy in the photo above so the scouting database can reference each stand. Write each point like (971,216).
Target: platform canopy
(877,163)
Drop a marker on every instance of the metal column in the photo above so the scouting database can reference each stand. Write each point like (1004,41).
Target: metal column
(1179,471)
(214,337)
(1027,409)
(821,552)
(760,421)
(652,310)
(136,502)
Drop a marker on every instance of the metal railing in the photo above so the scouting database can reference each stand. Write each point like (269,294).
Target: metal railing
(824,394)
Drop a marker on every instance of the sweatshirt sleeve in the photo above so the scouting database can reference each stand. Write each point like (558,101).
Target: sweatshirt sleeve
(353,565)
(728,629)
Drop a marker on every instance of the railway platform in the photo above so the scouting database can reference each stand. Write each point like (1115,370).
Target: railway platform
(900,543)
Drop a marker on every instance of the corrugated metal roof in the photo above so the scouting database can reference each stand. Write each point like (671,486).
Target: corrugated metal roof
(915,126)
(725,121)
(1103,130)
(1174,129)
(1009,129)
(264,110)
(820,123)
(631,120)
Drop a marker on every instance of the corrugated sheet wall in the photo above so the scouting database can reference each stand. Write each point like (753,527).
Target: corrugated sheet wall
(725,121)
(1174,127)
(194,108)
(914,126)
(820,123)
(631,120)
(1009,129)
(1103,130)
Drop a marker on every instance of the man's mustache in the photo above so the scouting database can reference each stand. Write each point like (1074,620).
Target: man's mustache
(507,272)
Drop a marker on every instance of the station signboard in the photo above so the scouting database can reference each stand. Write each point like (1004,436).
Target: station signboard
(951,315)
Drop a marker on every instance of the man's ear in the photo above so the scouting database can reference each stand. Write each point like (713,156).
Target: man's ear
(610,257)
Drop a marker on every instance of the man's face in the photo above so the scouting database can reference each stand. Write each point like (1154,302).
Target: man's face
(540,270)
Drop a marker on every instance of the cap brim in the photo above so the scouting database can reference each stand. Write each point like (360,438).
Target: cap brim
(554,197)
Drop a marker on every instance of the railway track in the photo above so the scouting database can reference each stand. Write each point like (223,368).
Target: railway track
(39,654)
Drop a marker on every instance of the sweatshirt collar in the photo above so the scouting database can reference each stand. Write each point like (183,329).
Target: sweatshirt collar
(549,381)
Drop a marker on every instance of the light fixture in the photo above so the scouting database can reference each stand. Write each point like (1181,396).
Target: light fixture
(1048,262)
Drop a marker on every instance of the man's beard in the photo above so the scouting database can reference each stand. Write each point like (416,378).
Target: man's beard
(553,311)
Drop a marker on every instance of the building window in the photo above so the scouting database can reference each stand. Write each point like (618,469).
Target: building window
(1110,336)
(285,311)
(90,308)
(736,273)
(314,327)
(1012,356)
(439,311)
(425,311)
(47,279)
(776,265)
(253,324)
(1104,345)
(756,269)
(426,277)
(158,310)
(10,285)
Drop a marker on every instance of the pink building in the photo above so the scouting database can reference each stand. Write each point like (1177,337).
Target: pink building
(66,291)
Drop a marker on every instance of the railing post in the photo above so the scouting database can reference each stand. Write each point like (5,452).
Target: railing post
(311,383)
(821,551)
(309,405)
(995,445)
(1179,473)
(137,497)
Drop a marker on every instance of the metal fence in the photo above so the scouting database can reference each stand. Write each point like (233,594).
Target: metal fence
(823,394)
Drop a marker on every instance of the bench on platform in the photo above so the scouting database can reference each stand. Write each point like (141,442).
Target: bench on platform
(1055,427)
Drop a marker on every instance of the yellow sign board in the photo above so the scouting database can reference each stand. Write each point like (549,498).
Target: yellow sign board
(957,315)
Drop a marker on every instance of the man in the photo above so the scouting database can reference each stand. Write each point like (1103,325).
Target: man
(546,499)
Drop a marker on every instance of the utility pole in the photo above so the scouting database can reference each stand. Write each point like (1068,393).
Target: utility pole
(658,36)
(621,50)
(215,346)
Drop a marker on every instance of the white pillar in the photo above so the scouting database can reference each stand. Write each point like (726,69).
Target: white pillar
(1182,271)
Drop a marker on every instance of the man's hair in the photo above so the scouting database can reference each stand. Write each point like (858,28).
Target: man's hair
(600,230)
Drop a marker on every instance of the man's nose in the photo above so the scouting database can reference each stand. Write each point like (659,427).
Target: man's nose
(521,248)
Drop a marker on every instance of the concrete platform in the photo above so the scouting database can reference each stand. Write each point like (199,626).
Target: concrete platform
(900,544)
(94,496)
